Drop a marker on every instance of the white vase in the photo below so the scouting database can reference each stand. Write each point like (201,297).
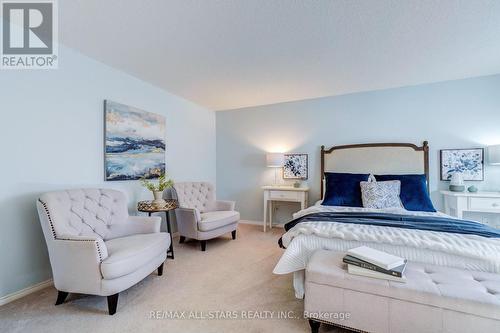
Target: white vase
(158,201)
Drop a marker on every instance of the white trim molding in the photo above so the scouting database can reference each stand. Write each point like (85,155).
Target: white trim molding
(25,292)
(259,223)
(251,222)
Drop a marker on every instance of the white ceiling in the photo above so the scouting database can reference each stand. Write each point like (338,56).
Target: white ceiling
(233,54)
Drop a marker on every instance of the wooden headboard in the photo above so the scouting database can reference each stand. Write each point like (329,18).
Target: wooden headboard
(376,158)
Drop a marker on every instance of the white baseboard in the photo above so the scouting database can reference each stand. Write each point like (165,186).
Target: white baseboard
(251,222)
(24,292)
(259,223)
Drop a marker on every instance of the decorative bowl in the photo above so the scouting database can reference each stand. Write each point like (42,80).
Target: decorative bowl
(472,189)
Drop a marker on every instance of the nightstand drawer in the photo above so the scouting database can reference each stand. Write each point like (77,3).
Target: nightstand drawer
(485,204)
(285,195)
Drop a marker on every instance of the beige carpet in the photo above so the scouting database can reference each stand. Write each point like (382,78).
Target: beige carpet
(229,276)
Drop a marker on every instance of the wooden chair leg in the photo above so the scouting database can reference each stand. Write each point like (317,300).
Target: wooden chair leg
(61,297)
(182,239)
(160,270)
(203,245)
(314,325)
(112,304)
(233,234)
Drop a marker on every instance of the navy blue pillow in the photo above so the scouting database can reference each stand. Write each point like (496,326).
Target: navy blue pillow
(343,189)
(414,195)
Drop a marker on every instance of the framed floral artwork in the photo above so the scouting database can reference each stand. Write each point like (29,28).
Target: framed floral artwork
(468,162)
(295,166)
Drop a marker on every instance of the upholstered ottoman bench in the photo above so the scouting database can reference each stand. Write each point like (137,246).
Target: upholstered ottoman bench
(433,299)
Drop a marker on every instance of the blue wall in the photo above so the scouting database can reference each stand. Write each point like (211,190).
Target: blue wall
(51,132)
(453,114)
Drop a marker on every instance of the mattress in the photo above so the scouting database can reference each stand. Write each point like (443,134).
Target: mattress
(437,248)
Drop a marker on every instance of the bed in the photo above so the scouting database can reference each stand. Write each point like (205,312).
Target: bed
(445,247)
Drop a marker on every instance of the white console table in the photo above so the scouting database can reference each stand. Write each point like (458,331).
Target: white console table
(283,193)
(456,203)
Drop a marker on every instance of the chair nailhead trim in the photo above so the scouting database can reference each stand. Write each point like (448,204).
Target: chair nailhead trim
(85,240)
(99,251)
(68,239)
(49,218)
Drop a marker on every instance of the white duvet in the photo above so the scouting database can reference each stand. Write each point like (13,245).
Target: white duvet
(431,247)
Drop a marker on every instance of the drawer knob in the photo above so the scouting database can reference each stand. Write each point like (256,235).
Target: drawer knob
(495,204)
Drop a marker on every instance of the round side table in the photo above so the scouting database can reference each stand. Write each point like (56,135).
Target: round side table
(148,207)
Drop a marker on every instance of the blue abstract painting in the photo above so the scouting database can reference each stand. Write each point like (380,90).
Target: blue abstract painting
(134,143)
(468,162)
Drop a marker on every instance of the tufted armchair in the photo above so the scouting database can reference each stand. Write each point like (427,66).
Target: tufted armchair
(200,215)
(95,247)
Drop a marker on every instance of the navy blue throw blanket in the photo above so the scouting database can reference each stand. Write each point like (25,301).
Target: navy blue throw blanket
(430,223)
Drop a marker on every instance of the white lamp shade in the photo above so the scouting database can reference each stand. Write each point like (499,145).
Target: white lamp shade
(457,179)
(494,154)
(275,160)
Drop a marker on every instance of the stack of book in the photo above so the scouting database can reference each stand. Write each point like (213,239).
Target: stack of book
(369,262)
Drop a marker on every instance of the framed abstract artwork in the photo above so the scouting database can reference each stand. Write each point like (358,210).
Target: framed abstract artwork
(468,162)
(134,143)
(295,166)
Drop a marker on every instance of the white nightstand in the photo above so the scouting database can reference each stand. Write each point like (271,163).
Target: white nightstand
(283,193)
(456,203)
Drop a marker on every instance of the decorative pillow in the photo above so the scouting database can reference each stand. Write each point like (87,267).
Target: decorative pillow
(342,189)
(414,195)
(381,195)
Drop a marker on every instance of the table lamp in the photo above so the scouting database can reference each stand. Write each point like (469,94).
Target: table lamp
(457,182)
(275,160)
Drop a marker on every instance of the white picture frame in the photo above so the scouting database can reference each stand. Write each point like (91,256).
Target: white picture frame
(468,162)
(296,166)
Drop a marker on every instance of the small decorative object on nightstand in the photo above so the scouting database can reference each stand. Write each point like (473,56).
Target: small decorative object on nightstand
(456,203)
(283,193)
(472,189)
(150,207)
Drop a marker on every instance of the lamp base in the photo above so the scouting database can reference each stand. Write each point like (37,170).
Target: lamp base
(457,188)
(276,177)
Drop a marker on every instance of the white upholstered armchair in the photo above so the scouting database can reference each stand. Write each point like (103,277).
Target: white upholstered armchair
(200,215)
(95,247)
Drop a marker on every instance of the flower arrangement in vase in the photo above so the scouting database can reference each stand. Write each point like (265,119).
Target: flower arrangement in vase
(158,188)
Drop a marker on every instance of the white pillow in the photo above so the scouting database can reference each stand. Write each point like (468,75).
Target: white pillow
(381,195)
